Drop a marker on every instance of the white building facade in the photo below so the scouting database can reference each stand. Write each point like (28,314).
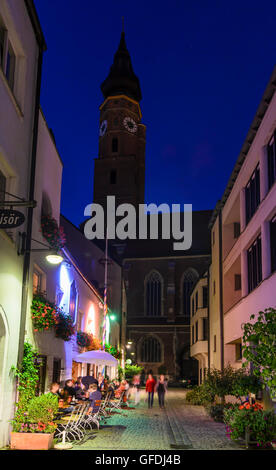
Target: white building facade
(21,47)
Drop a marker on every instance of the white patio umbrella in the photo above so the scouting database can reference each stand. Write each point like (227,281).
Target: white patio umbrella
(97,357)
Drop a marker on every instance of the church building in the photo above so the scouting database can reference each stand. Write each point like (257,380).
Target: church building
(157,280)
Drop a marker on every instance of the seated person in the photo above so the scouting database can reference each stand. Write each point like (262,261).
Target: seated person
(111,389)
(69,389)
(79,389)
(121,389)
(105,386)
(55,389)
(95,397)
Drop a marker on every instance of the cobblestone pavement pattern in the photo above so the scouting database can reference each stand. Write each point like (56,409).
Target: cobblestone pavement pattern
(179,426)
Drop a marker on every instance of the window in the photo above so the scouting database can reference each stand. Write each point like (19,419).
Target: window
(238,351)
(79,321)
(7,56)
(273,243)
(154,295)
(113,177)
(73,301)
(56,370)
(215,343)
(37,282)
(151,350)
(3,34)
(196,331)
(3,182)
(10,66)
(254,259)
(193,306)
(114,145)
(189,279)
(193,334)
(205,328)
(237,229)
(196,301)
(204,297)
(40,388)
(271,160)
(237,282)
(214,287)
(252,194)
(213,237)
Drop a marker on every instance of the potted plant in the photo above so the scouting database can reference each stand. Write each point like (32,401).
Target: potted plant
(34,415)
(251,424)
(33,429)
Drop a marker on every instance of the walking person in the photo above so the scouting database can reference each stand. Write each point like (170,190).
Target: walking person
(161,388)
(136,387)
(150,385)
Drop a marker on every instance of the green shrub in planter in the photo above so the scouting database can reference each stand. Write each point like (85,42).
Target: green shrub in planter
(216,411)
(200,395)
(38,416)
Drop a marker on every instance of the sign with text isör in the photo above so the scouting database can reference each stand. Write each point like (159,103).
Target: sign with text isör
(10,218)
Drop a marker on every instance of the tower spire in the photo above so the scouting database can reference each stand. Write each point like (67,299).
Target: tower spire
(121,78)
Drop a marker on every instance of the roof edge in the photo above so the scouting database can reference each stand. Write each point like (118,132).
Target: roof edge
(31,9)
(254,127)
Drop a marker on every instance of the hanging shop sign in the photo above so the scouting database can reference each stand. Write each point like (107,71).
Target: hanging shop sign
(10,218)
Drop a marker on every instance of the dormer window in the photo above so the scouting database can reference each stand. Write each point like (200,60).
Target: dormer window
(113,177)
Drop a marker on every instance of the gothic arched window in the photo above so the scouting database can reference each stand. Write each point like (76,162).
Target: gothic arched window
(150,350)
(189,278)
(153,291)
(114,145)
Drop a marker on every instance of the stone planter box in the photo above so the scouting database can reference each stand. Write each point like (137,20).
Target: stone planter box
(31,441)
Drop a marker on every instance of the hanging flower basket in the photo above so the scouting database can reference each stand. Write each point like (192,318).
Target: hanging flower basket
(64,325)
(43,313)
(84,340)
(46,316)
(95,344)
(54,234)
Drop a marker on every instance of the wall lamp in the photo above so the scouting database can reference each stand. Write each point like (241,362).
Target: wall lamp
(53,256)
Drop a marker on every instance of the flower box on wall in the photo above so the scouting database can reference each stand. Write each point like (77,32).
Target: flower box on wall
(31,441)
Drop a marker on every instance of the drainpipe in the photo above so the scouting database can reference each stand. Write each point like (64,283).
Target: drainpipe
(221,292)
(27,255)
(208,315)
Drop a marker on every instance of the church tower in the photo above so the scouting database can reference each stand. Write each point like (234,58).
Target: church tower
(120,167)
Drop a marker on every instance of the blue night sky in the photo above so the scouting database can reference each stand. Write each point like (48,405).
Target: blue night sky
(203,67)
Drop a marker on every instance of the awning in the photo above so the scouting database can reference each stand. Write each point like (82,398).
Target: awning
(98,357)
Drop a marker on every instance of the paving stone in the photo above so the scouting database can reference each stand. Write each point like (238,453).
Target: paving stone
(179,426)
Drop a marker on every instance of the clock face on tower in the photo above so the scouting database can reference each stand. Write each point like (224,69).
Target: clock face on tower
(103,127)
(130,124)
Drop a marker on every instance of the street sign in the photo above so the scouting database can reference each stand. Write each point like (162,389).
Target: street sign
(10,218)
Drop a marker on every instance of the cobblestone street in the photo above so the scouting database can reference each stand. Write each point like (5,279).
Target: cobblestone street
(179,426)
